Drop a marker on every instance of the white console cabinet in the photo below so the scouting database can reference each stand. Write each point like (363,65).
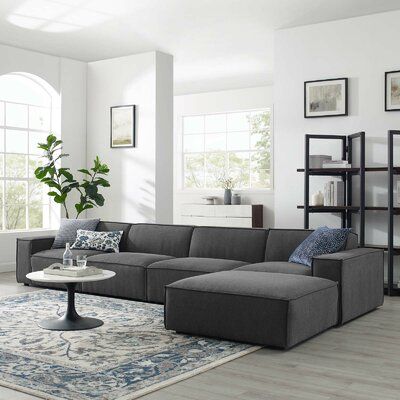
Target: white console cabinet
(241,216)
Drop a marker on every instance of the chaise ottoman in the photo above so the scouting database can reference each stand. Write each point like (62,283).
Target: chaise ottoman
(268,309)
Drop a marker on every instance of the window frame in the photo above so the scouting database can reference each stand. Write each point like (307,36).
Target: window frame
(181,159)
(29,180)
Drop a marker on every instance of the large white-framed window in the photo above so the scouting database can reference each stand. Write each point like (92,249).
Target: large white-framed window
(25,120)
(235,144)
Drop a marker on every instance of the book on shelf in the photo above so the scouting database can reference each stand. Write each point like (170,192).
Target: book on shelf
(336,164)
(334,194)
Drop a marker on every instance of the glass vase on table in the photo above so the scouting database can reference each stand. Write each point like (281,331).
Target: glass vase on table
(68,260)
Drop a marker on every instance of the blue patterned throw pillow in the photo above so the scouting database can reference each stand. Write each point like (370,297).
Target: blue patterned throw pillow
(323,240)
(93,240)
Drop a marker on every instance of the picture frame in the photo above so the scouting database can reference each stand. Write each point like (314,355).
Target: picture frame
(392,91)
(123,126)
(326,98)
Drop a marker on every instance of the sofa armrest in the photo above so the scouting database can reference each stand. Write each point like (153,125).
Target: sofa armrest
(359,274)
(26,247)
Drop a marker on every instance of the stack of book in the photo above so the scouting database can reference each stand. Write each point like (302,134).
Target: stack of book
(334,194)
(336,164)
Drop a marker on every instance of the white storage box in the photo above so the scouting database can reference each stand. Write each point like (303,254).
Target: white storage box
(316,161)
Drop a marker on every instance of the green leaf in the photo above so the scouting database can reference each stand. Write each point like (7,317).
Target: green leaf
(40,172)
(92,190)
(51,139)
(60,198)
(99,199)
(101,182)
(66,174)
(84,171)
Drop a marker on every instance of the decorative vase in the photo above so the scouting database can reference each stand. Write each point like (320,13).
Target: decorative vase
(317,199)
(236,199)
(227,196)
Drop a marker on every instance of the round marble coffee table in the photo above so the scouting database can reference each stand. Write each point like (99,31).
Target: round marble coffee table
(71,320)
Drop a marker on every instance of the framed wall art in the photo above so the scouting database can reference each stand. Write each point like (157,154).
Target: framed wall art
(122,132)
(392,91)
(326,98)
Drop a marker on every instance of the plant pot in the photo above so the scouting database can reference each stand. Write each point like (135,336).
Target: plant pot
(227,196)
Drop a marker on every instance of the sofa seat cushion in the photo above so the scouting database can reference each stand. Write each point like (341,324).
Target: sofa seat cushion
(165,272)
(127,258)
(130,269)
(281,267)
(256,307)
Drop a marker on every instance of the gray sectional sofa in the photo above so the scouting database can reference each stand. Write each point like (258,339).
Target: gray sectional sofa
(198,271)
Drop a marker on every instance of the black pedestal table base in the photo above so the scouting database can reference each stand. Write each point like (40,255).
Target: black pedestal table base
(71,320)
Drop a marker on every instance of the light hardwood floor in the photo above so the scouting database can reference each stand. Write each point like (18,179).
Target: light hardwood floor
(360,360)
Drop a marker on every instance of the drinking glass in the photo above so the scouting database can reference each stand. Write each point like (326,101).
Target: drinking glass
(81,261)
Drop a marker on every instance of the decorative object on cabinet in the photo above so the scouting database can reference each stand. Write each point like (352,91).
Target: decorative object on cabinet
(326,98)
(227,184)
(392,91)
(209,200)
(240,216)
(236,199)
(122,126)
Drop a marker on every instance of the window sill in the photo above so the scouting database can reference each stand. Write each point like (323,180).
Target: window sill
(220,192)
(27,231)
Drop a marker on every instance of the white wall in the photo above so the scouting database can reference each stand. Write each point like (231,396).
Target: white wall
(223,101)
(73,117)
(361,49)
(68,78)
(139,187)
(164,138)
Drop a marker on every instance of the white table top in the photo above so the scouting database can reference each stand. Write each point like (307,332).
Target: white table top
(40,276)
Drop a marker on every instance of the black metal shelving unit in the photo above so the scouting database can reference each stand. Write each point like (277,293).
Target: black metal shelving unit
(392,288)
(349,209)
(346,174)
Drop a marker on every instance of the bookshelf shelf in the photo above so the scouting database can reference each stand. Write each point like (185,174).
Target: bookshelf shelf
(330,171)
(329,209)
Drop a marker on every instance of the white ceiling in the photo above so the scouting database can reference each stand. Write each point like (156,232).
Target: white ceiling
(216,44)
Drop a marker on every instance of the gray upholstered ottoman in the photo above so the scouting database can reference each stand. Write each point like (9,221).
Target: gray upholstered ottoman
(267,309)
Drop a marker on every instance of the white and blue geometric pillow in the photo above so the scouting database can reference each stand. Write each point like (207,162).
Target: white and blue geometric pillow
(323,240)
(94,240)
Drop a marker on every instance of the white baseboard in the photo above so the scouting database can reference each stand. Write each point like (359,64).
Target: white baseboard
(7,267)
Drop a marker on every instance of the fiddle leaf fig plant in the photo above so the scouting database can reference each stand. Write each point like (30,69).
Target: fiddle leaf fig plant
(89,188)
(61,181)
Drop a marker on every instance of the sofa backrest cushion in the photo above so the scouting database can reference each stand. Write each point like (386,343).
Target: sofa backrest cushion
(281,243)
(229,243)
(105,226)
(169,240)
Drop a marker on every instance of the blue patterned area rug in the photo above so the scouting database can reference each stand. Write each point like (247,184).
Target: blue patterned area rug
(129,356)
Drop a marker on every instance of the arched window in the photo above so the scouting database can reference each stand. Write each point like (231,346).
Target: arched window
(26,118)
